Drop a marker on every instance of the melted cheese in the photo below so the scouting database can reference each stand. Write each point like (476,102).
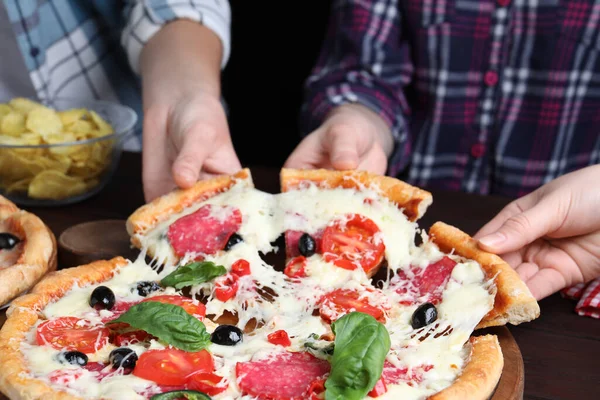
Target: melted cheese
(276,302)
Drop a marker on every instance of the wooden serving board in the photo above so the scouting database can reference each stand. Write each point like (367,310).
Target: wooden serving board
(96,240)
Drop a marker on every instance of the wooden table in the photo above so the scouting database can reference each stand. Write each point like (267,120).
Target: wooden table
(561,350)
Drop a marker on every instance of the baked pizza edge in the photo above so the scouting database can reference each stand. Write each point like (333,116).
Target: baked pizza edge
(513,303)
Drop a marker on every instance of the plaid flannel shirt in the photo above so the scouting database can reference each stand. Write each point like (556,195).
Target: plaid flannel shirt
(481,96)
(91,48)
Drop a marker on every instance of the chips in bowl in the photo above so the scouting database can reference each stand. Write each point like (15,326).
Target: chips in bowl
(52,154)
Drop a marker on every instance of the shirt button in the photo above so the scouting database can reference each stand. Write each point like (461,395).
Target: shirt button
(490,78)
(503,3)
(34,51)
(477,150)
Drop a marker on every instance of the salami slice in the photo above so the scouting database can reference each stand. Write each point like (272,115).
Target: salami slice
(292,239)
(204,231)
(286,376)
(427,284)
(393,375)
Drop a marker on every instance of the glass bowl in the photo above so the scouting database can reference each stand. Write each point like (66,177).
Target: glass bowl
(40,173)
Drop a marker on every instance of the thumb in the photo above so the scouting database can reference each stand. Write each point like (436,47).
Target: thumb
(343,147)
(197,144)
(520,229)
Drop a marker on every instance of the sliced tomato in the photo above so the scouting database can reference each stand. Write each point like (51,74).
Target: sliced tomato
(207,382)
(226,287)
(241,267)
(279,337)
(71,333)
(352,242)
(133,337)
(172,366)
(379,388)
(316,391)
(296,267)
(342,301)
(192,307)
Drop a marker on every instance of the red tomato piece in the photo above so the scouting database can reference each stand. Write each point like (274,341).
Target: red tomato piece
(133,337)
(172,366)
(190,306)
(296,267)
(351,242)
(316,391)
(226,287)
(342,301)
(71,333)
(426,284)
(118,309)
(207,382)
(279,337)
(241,267)
(379,388)
(204,231)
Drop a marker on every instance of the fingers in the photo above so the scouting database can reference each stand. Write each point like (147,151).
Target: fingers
(198,141)
(545,282)
(343,147)
(513,208)
(156,177)
(308,153)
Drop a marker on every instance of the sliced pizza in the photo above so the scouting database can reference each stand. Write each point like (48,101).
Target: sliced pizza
(27,250)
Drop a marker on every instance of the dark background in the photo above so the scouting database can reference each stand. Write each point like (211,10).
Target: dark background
(274,47)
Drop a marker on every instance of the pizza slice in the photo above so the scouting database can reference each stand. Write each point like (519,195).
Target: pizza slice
(27,250)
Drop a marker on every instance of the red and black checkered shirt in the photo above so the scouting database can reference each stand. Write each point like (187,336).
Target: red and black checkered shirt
(482,96)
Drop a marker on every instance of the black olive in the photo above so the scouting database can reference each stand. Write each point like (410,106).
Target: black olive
(102,298)
(123,357)
(226,335)
(8,241)
(74,358)
(424,315)
(233,240)
(146,287)
(307,245)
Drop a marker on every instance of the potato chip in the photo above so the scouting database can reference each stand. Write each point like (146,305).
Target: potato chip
(44,121)
(4,109)
(23,105)
(104,128)
(55,185)
(73,115)
(13,124)
(21,185)
(81,129)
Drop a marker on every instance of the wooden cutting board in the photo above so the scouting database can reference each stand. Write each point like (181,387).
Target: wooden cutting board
(97,240)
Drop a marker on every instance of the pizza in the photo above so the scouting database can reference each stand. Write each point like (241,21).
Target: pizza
(27,250)
(326,290)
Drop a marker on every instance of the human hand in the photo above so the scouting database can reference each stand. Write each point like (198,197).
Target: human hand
(186,135)
(352,137)
(552,235)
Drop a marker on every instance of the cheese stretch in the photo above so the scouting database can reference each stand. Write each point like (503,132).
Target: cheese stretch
(440,347)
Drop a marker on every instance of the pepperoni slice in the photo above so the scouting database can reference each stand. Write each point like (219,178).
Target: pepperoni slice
(426,285)
(204,231)
(353,242)
(286,376)
(393,375)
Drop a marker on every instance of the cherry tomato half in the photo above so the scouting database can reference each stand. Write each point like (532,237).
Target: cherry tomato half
(71,333)
(352,241)
(342,301)
(190,306)
(296,267)
(172,366)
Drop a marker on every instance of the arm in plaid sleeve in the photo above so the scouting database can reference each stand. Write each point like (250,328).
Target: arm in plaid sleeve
(145,18)
(363,60)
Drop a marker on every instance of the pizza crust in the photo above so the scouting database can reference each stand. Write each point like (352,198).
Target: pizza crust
(38,251)
(149,215)
(24,313)
(412,200)
(513,303)
(480,375)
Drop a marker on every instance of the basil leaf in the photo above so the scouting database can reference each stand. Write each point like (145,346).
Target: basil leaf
(168,322)
(361,345)
(180,394)
(193,274)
